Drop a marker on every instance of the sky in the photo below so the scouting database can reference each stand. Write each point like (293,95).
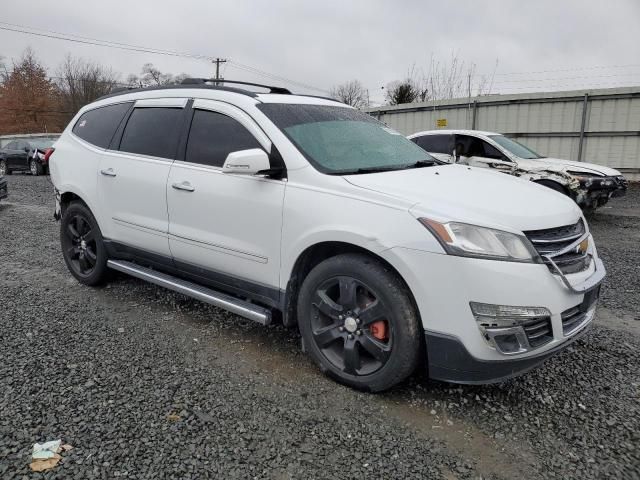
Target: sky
(537,45)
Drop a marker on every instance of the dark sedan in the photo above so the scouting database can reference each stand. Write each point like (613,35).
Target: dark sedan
(26,155)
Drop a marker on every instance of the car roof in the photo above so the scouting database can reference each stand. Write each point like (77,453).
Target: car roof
(238,96)
(476,133)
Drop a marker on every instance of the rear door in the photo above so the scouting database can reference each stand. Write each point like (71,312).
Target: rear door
(15,151)
(475,152)
(438,145)
(225,228)
(133,174)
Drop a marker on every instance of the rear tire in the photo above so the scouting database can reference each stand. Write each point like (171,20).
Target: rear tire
(82,245)
(4,168)
(359,323)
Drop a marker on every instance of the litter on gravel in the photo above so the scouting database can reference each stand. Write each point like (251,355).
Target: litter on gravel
(46,456)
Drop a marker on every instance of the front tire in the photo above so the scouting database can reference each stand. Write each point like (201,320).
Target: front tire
(359,323)
(82,245)
(35,168)
(4,168)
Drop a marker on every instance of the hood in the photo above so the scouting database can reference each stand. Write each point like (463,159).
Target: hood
(474,195)
(559,165)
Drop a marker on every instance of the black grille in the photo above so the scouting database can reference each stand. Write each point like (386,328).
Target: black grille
(551,240)
(538,331)
(573,317)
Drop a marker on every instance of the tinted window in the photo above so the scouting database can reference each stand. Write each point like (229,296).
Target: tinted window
(435,143)
(11,145)
(213,136)
(98,126)
(468,146)
(152,131)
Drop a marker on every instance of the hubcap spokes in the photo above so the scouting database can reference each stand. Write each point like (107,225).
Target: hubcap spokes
(81,245)
(345,310)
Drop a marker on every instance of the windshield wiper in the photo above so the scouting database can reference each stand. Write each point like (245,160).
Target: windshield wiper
(368,170)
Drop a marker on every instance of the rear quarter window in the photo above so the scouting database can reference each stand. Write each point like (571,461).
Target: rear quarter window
(97,126)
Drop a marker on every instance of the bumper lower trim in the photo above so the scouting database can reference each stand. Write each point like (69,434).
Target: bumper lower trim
(450,361)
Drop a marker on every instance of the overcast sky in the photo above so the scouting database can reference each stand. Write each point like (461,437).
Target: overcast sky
(322,43)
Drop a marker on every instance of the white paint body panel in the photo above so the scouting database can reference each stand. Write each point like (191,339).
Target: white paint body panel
(133,204)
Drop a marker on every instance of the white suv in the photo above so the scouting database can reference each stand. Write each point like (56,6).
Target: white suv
(304,210)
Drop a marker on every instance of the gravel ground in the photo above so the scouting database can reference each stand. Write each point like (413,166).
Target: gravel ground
(146,383)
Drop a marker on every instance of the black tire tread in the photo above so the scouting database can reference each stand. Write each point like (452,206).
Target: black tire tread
(405,360)
(101,273)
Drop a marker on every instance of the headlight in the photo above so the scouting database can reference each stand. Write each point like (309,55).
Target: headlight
(467,240)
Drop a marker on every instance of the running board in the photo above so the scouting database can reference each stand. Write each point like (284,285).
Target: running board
(227,302)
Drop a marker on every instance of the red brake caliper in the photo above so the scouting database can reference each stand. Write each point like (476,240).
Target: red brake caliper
(379,329)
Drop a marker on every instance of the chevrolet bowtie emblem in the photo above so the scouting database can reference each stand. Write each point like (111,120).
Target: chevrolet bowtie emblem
(583,246)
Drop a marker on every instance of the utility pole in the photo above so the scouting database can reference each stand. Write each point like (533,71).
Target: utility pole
(218,61)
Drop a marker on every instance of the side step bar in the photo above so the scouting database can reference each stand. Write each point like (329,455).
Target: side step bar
(227,302)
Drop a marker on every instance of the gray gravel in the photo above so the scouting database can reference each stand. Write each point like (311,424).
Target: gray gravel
(106,369)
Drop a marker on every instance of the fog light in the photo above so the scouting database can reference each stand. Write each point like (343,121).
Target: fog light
(503,326)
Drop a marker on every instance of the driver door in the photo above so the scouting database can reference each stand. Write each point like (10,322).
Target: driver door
(476,152)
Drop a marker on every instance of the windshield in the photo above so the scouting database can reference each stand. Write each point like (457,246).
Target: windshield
(41,144)
(514,147)
(341,140)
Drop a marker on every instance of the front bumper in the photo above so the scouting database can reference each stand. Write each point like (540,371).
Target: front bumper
(450,361)
(443,285)
(596,191)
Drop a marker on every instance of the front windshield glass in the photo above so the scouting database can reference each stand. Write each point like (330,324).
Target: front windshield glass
(341,140)
(514,147)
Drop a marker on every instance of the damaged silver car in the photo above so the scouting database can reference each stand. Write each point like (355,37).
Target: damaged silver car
(589,185)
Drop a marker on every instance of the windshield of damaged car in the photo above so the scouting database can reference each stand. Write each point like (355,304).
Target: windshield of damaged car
(514,147)
(340,140)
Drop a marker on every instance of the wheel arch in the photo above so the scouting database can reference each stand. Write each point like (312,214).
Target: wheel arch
(314,255)
(69,194)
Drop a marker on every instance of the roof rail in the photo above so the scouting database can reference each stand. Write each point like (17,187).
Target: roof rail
(217,81)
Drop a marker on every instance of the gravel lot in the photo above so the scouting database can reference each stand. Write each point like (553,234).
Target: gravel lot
(145,383)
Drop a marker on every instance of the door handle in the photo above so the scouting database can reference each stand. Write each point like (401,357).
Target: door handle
(186,186)
(108,172)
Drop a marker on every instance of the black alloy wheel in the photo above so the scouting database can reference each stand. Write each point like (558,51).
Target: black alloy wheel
(350,326)
(359,322)
(80,242)
(82,245)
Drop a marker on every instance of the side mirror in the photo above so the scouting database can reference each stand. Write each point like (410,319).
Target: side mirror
(246,162)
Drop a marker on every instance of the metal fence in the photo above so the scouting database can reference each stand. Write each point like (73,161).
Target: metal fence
(599,126)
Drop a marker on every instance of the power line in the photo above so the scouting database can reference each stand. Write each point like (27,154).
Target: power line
(593,67)
(138,48)
(98,42)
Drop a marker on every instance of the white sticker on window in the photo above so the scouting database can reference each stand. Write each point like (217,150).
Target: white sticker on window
(83,123)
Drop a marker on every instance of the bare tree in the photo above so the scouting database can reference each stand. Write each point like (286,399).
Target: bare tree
(352,93)
(456,79)
(152,77)
(80,82)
